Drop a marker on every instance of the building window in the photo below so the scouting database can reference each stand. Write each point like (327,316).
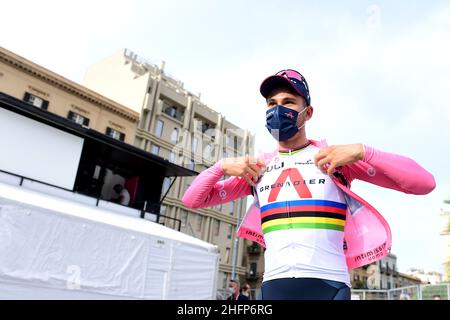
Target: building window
(166,185)
(186,186)
(238,141)
(231,207)
(191,164)
(172,157)
(216,227)
(194,144)
(225,280)
(115,134)
(155,149)
(230,140)
(159,128)
(184,218)
(163,210)
(225,153)
(199,222)
(207,153)
(198,124)
(77,118)
(203,125)
(35,101)
(173,111)
(230,231)
(174,136)
(227,255)
(206,126)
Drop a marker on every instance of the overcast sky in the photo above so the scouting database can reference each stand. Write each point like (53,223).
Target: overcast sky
(378,73)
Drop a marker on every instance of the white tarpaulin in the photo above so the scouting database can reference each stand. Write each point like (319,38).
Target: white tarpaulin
(38,151)
(53,248)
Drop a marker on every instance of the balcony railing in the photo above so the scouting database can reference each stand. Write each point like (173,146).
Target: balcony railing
(174,113)
(142,209)
(207,130)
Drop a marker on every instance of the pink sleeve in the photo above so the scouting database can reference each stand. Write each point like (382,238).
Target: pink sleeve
(206,190)
(391,171)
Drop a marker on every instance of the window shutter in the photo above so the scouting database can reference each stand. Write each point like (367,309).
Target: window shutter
(108,131)
(86,122)
(122,137)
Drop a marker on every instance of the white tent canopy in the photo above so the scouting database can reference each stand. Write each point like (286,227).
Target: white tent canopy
(55,248)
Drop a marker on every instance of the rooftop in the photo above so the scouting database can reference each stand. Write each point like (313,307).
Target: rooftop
(65,84)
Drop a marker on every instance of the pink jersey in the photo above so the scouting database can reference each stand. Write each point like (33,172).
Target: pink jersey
(367,234)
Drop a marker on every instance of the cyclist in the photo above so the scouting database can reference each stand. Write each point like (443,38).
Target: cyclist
(313,227)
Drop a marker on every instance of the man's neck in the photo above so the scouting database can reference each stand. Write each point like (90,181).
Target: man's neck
(296,141)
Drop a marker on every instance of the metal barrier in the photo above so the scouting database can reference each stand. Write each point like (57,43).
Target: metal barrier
(418,292)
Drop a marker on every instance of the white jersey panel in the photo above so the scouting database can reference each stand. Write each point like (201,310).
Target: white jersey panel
(303,218)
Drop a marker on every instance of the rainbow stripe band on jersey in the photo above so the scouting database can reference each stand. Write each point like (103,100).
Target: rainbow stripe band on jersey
(303,214)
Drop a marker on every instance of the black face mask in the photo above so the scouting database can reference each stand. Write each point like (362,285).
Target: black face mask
(282,122)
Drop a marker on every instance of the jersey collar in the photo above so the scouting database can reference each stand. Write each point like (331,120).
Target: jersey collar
(295,150)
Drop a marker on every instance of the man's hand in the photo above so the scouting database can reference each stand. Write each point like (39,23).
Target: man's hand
(248,168)
(327,159)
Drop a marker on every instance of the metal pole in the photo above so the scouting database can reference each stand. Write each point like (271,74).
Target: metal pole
(144,208)
(236,243)
(168,189)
